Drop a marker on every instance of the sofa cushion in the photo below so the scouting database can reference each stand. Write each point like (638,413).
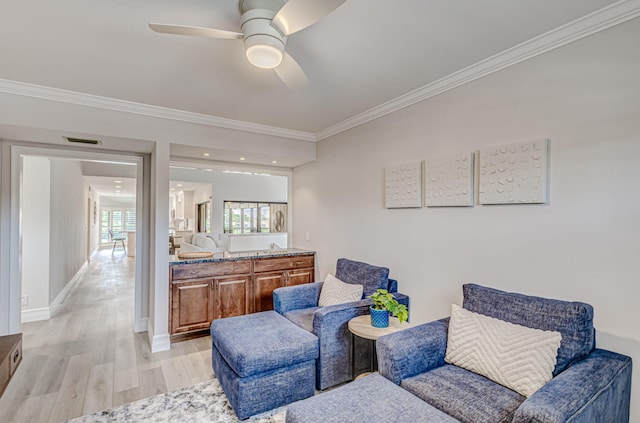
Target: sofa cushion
(464,395)
(514,356)
(370,277)
(574,320)
(335,292)
(261,342)
(302,317)
(206,242)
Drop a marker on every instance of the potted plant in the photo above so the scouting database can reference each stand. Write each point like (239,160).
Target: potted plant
(383,304)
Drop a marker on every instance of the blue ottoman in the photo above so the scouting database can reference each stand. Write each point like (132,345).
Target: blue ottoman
(372,399)
(263,361)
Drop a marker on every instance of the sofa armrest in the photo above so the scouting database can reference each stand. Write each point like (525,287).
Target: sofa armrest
(296,297)
(412,351)
(597,388)
(393,286)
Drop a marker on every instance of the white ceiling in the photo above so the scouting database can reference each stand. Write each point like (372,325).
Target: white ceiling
(363,55)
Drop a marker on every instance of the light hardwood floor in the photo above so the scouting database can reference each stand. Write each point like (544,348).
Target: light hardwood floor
(87,358)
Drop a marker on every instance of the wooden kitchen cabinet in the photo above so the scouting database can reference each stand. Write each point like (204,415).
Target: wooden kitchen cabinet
(272,273)
(191,306)
(231,296)
(203,291)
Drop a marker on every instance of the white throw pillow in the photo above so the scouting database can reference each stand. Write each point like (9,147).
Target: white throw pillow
(515,356)
(206,242)
(334,291)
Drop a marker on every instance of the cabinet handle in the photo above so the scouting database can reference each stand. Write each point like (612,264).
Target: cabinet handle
(194,272)
(299,262)
(270,265)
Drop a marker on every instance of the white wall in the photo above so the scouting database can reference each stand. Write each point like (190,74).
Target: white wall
(68,242)
(583,246)
(35,210)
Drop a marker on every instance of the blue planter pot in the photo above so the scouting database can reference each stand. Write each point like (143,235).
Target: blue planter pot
(379,318)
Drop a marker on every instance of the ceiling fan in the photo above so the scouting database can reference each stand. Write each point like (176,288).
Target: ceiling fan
(266,24)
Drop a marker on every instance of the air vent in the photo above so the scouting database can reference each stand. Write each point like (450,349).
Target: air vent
(83,141)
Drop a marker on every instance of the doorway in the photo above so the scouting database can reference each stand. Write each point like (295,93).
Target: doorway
(89,215)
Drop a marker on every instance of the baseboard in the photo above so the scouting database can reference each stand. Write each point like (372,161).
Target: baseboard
(158,342)
(55,304)
(35,315)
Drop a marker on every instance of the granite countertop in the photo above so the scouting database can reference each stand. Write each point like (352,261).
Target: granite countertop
(243,255)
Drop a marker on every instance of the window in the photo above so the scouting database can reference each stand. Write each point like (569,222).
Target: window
(116,219)
(254,217)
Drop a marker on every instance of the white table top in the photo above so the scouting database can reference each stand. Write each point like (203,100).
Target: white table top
(361,326)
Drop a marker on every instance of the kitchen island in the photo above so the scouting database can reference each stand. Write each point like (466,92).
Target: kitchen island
(230,284)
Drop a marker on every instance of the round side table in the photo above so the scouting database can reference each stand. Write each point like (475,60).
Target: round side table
(361,327)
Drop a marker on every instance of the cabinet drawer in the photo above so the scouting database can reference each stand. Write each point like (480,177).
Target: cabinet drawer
(296,262)
(204,270)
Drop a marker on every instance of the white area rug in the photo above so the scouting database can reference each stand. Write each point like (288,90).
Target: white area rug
(204,402)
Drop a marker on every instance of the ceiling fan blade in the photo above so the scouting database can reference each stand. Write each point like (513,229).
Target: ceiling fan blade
(291,73)
(299,14)
(196,31)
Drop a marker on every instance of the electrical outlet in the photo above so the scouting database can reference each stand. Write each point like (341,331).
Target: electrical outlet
(25,300)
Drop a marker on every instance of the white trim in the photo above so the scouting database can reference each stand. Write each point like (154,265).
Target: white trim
(590,24)
(73,97)
(55,304)
(35,315)
(585,26)
(158,342)
(141,324)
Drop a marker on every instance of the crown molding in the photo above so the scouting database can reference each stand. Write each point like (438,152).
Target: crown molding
(585,26)
(73,97)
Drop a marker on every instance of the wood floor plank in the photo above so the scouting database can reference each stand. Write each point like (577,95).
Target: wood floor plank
(152,382)
(37,408)
(175,373)
(99,394)
(72,390)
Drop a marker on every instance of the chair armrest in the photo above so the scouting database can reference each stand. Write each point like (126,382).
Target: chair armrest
(337,314)
(412,351)
(296,297)
(597,388)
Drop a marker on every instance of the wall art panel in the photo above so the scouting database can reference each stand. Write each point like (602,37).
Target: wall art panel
(403,185)
(449,181)
(515,173)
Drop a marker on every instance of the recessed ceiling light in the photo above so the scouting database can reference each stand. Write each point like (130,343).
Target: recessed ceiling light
(118,186)
(274,161)
(178,185)
(173,189)
(242,158)
(117,191)
(207,154)
(118,182)
(209,170)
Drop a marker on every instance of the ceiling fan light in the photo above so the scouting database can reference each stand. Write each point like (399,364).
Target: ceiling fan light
(264,51)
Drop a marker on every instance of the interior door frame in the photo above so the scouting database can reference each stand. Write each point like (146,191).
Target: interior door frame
(10,278)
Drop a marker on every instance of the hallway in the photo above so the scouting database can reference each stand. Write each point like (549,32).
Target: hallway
(87,358)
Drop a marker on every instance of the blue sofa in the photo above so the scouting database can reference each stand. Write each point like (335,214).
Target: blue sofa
(589,384)
(299,304)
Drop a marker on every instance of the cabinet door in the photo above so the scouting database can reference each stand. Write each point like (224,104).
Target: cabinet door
(264,285)
(190,306)
(232,296)
(299,276)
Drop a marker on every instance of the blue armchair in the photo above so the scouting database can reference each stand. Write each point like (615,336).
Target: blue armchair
(299,304)
(589,384)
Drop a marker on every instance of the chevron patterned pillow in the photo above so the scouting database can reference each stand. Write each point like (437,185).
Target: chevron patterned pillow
(334,292)
(515,356)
